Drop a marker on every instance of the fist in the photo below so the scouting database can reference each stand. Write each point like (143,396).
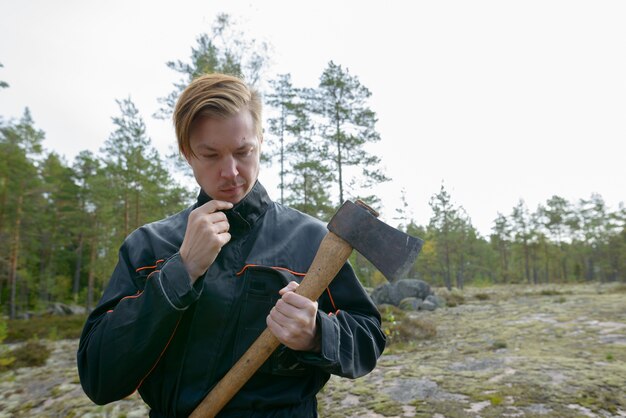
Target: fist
(293,320)
(206,234)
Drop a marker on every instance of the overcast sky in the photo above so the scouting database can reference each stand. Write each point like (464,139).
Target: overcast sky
(499,100)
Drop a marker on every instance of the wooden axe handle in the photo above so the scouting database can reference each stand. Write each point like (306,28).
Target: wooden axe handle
(331,256)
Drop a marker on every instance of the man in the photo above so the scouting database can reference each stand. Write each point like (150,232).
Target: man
(190,293)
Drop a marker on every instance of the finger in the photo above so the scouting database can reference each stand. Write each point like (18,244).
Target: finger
(279,317)
(224,238)
(213,206)
(298,301)
(291,287)
(286,310)
(214,217)
(220,227)
(277,329)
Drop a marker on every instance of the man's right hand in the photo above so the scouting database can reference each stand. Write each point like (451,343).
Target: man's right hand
(206,234)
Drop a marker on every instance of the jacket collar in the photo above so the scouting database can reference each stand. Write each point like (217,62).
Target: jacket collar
(246,212)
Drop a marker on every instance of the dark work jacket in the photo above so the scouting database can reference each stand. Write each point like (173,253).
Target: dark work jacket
(154,332)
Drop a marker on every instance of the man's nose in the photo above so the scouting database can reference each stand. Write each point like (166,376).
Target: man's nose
(229,167)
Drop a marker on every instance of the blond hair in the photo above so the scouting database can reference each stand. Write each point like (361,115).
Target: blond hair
(214,96)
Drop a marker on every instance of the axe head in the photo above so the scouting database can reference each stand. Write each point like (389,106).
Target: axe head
(390,250)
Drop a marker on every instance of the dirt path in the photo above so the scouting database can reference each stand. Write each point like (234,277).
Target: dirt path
(522,352)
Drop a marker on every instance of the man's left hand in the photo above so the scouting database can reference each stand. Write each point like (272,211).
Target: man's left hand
(293,320)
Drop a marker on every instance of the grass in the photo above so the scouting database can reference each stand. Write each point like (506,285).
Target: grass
(45,327)
(620,288)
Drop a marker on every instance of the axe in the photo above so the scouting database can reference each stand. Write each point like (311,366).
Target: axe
(354,226)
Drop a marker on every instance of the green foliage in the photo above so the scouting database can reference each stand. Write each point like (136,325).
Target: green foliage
(291,140)
(454,238)
(61,224)
(346,125)
(226,50)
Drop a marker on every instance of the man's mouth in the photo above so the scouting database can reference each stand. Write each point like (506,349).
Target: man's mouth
(231,189)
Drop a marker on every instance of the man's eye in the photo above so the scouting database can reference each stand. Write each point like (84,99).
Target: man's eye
(209,156)
(245,153)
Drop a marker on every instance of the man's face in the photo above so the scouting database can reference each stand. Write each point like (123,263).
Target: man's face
(226,164)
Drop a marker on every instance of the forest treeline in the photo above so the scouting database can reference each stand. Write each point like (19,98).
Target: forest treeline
(61,223)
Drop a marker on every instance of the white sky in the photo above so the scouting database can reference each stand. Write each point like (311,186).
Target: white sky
(500,100)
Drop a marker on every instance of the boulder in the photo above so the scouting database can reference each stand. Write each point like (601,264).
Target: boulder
(438,301)
(428,305)
(393,293)
(62,309)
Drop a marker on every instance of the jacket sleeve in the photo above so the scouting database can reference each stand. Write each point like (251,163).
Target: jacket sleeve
(130,329)
(351,336)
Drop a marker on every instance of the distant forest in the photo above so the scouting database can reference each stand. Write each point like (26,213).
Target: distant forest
(62,223)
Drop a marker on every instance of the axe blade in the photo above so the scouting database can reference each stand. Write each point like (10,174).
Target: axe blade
(390,250)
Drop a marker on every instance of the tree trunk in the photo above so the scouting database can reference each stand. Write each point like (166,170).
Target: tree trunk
(504,263)
(3,202)
(78,268)
(340,168)
(126,213)
(460,276)
(14,257)
(590,268)
(137,211)
(527,262)
(547,264)
(447,273)
(91,275)
(282,158)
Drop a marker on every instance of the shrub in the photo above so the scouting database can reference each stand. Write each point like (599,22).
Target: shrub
(48,326)
(30,354)
(497,345)
(401,328)
(550,292)
(453,298)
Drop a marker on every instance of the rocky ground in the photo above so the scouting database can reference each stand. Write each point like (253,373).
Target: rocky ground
(539,351)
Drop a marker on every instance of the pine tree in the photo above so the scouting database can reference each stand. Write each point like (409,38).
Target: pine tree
(57,230)
(20,146)
(347,125)
(282,99)
(3,84)
(226,50)
(310,176)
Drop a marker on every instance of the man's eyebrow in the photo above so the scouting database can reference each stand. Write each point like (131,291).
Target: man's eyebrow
(246,144)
